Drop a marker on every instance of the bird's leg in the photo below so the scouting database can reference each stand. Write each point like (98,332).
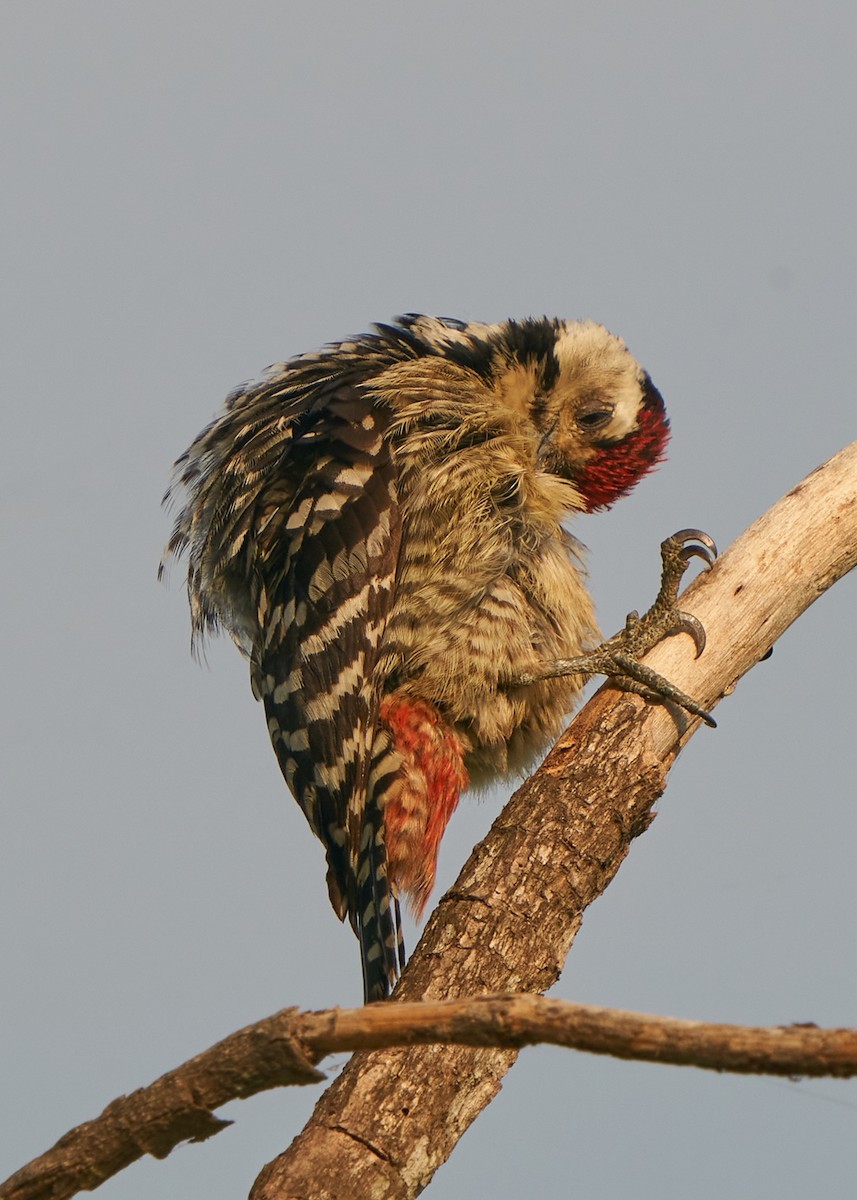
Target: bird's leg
(618,657)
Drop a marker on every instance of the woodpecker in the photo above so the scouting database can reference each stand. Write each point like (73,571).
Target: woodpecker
(380,527)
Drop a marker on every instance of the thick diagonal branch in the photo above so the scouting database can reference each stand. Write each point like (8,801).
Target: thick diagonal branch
(390,1120)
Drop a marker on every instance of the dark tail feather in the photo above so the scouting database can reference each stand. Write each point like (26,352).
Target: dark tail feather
(379,920)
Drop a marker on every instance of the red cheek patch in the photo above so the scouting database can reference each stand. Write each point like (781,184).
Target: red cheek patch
(616,469)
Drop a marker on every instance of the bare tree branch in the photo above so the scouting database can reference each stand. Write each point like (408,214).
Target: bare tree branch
(283,1048)
(175,1108)
(526,1020)
(394,1116)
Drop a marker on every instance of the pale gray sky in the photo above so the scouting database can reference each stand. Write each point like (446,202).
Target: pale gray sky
(194,190)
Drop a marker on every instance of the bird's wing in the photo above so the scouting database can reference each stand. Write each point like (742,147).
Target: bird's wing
(326,534)
(292,529)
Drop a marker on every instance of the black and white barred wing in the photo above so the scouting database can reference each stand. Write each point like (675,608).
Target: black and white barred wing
(293,531)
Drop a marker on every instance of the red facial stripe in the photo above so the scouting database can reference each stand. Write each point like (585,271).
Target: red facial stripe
(615,469)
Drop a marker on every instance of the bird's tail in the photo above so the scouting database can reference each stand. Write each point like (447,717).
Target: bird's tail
(378,918)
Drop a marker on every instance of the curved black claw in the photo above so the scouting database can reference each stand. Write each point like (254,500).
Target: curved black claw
(687,623)
(705,549)
(676,553)
(684,545)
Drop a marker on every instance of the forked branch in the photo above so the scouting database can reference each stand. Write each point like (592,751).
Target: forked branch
(394,1116)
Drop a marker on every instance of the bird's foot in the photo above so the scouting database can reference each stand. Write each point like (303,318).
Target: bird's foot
(618,657)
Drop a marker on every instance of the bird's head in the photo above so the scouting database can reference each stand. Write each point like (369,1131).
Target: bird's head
(601,421)
(596,418)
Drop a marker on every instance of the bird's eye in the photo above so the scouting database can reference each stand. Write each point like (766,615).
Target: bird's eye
(595,417)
